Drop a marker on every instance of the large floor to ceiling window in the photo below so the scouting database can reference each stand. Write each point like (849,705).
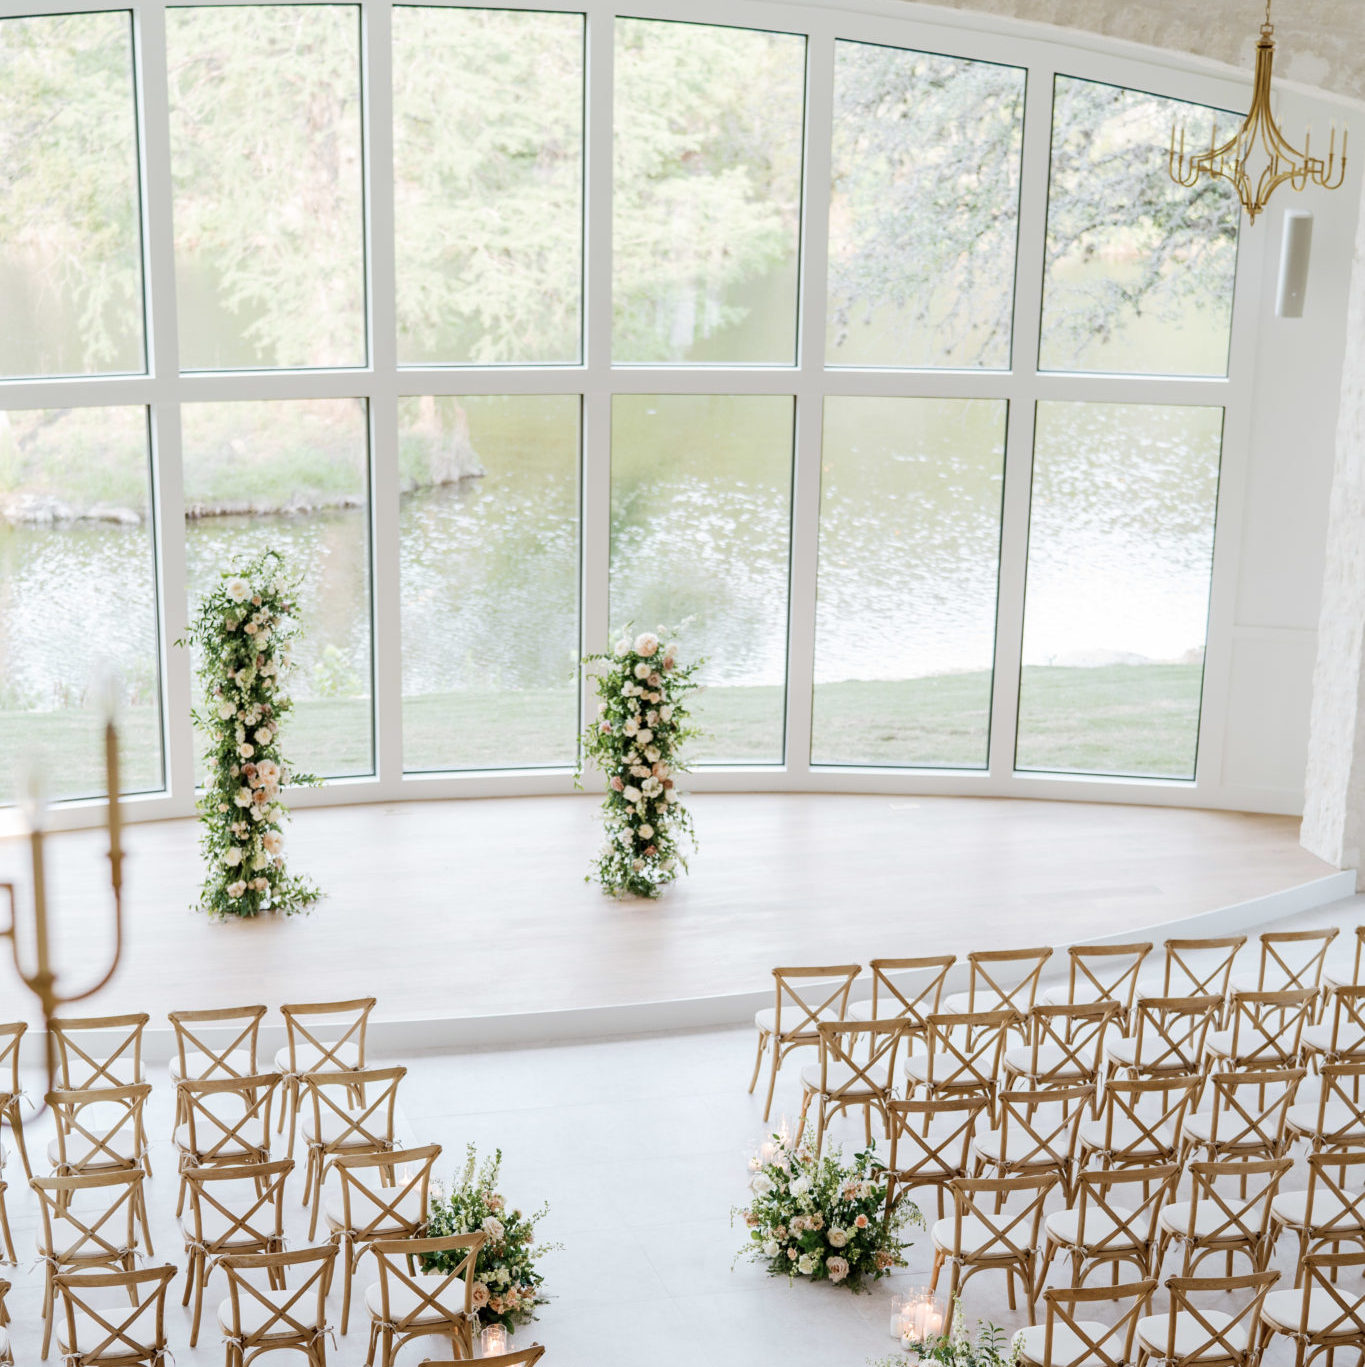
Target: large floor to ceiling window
(503,361)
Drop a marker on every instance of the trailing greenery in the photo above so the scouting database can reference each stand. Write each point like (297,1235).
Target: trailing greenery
(506,1283)
(243,630)
(641,725)
(956,1348)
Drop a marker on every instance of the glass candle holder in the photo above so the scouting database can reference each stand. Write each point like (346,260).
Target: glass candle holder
(493,1340)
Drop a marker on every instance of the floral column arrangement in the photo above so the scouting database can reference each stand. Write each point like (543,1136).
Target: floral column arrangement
(642,723)
(242,630)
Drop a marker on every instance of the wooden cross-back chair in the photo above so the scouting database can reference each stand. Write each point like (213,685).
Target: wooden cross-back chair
(1248,1117)
(1289,961)
(11,1089)
(201,1056)
(1198,967)
(1069,1338)
(1228,1212)
(1140,1121)
(805,996)
(114,1319)
(366,1209)
(1330,1212)
(406,1305)
(1189,1335)
(98,1230)
(931,1143)
(520,1357)
(257,1319)
(1336,1120)
(963,1053)
(1167,1037)
(889,1001)
(6,1353)
(1318,1316)
(320,1037)
(1265,1029)
(1112,1220)
(856,1069)
(994,1226)
(99,1051)
(332,1126)
(1000,980)
(1101,973)
(1334,978)
(231,1210)
(1065,1045)
(1035,1133)
(226,1120)
(1340,1036)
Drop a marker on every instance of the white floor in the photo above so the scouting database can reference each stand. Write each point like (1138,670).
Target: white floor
(640,1147)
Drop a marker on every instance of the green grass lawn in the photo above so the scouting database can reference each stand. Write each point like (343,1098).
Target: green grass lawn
(1116,719)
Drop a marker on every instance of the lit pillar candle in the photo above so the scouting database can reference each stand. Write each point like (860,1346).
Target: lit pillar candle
(493,1340)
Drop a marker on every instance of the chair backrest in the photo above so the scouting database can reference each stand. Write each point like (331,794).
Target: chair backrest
(244,1205)
(1346,1011)
(11,1038)
(371,1210)
(1117,1209)
(201,1059)
(369,1123)
(1199,967)
(327,1035)
(1113,1347)
(1292,960)
(1235,1198)
(1249,1109)
(1141,1118)
(522,1357)
(99,1226)
(1038,1127)
(1267,1027)
(1105,972)
(1005,979)
(924,1151)
(1359,935)
(858,1058)
(99,1127)
(909,1004)
(112,1326)
(222,1133)
(426,1302)
(1066,1043)
(1170,1033)
(965,1049)
(1341,1104)
(259,1317)
(1196,1336)
(1009,1211)
(1336,1195)
(808,995)
(99,1051)
(1338,1314)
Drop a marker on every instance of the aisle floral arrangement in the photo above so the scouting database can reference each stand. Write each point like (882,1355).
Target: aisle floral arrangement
(243,630)
(507,1288)
(641,725)
(813,1217)
(957,1349)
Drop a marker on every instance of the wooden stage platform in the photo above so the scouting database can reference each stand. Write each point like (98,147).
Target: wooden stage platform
(477,908)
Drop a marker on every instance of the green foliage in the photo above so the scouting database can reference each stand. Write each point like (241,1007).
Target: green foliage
(640,728)
(506,1285)
(813,1217)
(957,1349)
(243,630)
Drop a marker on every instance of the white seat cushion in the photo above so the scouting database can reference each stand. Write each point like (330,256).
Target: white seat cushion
(1191,1335)
(1121,1049)
(255,1315)
(1127,1137)
(1067,1345)
(1175,1219)
(839,1076)
(69,1240)
(250,1138)
(365,1209)
(84,1155)
(199,1065)
(1063,1227)
(90,1333)
(1319,1037)
(403,1301)
(308,1057)
(1339,1119)
(977,1236)
(1083,994)
(1020,1146)
(1282,1310)
(216,1225)
(957,1003)
(336,1129)
(1052,1061)
(1291,1208)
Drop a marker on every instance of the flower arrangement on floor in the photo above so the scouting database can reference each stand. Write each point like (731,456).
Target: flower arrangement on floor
(956,1349)
(813,1217)
(507,1289)
(243,629)
(642,723)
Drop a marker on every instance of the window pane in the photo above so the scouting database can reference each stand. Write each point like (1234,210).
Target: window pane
(488,185)
(70,230)
(924,211)
(700,543)
(77,597)
(265,160)
(1119,563)
(909,562)
(707,189)
(1140,271)
(293,475)
(490,581)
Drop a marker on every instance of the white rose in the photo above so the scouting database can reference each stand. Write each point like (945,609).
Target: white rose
(646,643)
(652,754)
(800,1187)
(259,860)
(246,750)
(623,646)
(232,856)
(644,735)
(238,590)
(243,798)
(273,842)
(666,713)
(637,864)
(492,1227)
(646,831)
(226,711)
(236,889)
(264,736)
(837,1238)
(268,772)
(642,670)
(630,793)
(761,1184)
(651,787)
(770,1248)
(805,1264)
(631,726)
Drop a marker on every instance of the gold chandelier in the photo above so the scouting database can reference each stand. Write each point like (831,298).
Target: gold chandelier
(1258,159)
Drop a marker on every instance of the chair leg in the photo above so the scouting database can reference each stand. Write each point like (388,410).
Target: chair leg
(820,1126)
(199,1270)
(347,1254)
(5,1231)
(49,1287)
(772,1081)
(374,1339)
(758,1059)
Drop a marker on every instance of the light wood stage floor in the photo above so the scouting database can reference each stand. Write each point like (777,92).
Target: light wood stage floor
(472,908)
